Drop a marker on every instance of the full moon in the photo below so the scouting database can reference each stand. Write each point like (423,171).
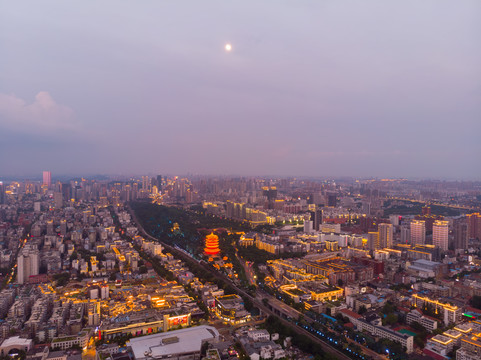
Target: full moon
(228,47)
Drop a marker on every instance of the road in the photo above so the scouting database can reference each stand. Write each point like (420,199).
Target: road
(265,310)
(89,354)
(249,271)
(293,313)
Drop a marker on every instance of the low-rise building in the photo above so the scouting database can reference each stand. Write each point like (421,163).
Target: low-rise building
(442,341)
(66,342)
(405,340)
(259,335)
(15,344)
(182,344)
(230,308)
(428,322)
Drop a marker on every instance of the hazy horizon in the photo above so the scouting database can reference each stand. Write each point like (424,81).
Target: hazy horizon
(124,177)
(310,89)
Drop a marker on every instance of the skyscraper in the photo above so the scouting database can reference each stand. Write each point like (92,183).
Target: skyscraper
(47,178)
(385,235)
(418,232)
(441,234)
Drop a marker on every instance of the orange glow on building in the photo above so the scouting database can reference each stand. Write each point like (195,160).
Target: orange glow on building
(211,244)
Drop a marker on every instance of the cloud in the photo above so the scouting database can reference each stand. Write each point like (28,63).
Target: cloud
(43,115)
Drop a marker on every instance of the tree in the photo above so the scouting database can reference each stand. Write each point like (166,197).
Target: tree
(388,308)
(476,301)
(62,279)
(391,319)
(419,341)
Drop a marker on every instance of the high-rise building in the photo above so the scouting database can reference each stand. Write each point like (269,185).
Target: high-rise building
(405,234)
(28,263)
(47,178)
(316,218)
(385,235)
(145,183)
(270,192)
(418,232)
(394,219)
(474,225)
(58,200)
(104,292)
(441,234)
(2,193)
(93,313)
(159,183)
(50,228)
(331,199)
(63,227)
(67,192)
(460,230)
(308,226)
(373,240)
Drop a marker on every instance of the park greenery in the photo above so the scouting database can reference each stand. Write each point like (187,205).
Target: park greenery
(194,223)
(414,208)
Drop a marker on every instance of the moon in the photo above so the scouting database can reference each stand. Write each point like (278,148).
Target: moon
(228,47)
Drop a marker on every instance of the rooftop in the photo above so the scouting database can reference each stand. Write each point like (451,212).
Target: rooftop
(16,341)
(158,345)
(350,313)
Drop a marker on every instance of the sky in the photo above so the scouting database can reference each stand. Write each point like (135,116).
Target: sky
(310,88)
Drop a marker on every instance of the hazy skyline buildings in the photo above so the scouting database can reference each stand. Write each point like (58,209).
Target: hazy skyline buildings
(47,178)
(2,193)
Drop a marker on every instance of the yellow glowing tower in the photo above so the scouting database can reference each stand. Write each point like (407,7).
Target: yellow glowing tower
(211,244)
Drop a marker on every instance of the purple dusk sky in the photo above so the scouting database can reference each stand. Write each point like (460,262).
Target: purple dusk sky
(310,88)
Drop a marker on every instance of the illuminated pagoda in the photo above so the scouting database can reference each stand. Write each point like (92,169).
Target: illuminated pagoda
(211,244)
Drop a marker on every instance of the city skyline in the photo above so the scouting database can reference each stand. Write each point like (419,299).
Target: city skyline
(314,90)
(95,268)
(225,180)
